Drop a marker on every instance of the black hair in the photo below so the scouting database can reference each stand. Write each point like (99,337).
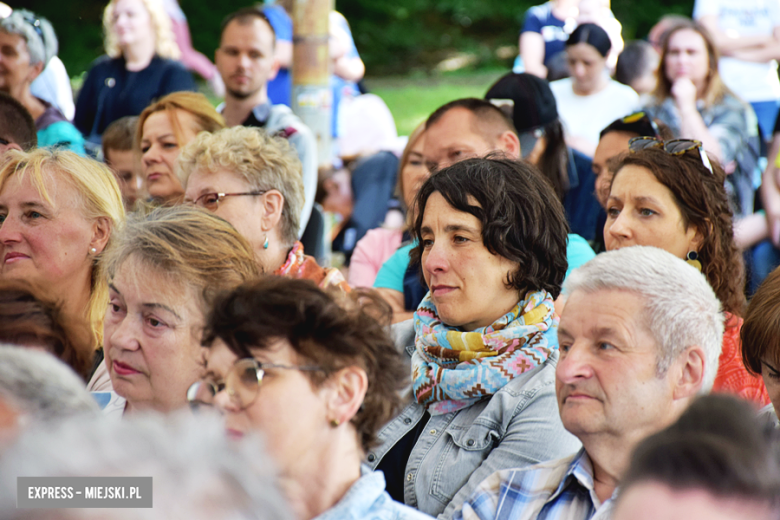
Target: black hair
(522,218)
(16,123)
(593,35)
(635,61)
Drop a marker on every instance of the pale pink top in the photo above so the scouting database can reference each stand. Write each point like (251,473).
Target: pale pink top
(370,253)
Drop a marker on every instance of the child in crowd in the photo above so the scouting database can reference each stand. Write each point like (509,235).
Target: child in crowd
(118,155)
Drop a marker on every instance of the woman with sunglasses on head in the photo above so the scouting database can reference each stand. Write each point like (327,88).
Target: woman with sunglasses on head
(693,101)
(318,380)
(164,270)
(670,195)
(254,181)
(28,42)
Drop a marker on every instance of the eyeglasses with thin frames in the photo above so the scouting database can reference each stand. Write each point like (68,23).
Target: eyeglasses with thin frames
(242,383)
(672,147)
(211,201)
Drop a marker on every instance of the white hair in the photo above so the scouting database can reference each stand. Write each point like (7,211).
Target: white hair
(197,472)
(37,32)
(40,386)
(681,309)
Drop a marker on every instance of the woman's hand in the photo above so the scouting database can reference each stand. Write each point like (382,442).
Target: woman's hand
(684,93)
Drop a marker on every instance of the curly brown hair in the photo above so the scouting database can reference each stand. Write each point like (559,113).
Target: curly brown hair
(331,331)
(702,200)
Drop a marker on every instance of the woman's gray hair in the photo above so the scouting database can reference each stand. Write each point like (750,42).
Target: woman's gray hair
(41,386)
(37,33)
(681,309)
(198,473)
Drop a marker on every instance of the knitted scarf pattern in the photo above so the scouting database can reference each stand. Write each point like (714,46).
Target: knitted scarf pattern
(452,370)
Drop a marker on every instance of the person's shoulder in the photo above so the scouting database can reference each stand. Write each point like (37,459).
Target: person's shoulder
(617,88)
(170,66)
(104,63)
(561,87)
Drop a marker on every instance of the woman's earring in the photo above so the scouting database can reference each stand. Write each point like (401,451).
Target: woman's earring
(265,244)
(335,423)
(692,258)
(93,251)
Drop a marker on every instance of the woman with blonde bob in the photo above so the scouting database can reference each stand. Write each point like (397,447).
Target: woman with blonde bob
(164,128)
(139,66)
(254,181)
(163,271)
(57,215)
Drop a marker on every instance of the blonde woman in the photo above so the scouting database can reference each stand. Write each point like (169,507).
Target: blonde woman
(164,128)
(57,214)
(164,270)
(139,66)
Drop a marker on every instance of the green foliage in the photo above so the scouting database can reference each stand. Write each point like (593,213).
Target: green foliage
(393,36)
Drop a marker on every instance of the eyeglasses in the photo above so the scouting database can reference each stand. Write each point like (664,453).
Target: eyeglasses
(642,117)
(672,147)
(242,383)
(211,201)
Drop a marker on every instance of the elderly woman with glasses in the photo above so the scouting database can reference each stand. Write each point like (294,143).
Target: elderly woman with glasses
(28,43)
(670,194)
(318,379)
(254,181)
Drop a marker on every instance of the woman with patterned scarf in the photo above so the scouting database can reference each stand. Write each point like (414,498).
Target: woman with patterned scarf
(492,237)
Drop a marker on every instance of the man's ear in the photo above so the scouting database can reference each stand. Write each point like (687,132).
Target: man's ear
(510,143)
(349,386)
(689,373)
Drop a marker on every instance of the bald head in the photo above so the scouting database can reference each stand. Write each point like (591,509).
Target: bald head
(467,128)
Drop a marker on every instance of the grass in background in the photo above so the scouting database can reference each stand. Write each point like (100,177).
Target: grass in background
(412,99)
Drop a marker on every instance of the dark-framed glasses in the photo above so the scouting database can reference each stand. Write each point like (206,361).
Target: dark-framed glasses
(672,147)
(242,383)
(211,201)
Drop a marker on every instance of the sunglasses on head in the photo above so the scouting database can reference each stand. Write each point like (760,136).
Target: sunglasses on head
(672,147)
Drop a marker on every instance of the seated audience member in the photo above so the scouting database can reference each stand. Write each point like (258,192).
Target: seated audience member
(613,141)
(747,39)
(29,319)
(118,155)
(760,337)
(253,181)
(483,345)
(535,117)
(139,66)
(36,387)
(694,102)
(543,36)
(17,127)
(458,130)
(30,39)
(53,86)
(330,378)
(164,128)
(714,463)
(765,256)
(639,339)
(197,473)
(598,12)
(58,212)
(590,99)
(668,194)
(379,244)
(245,59)
(637,66)
(164,269)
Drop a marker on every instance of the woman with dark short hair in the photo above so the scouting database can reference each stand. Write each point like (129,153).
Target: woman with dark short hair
(670,194)
(492,248)
(317,374)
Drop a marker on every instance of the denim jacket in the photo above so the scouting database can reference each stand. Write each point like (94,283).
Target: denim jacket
(517,427)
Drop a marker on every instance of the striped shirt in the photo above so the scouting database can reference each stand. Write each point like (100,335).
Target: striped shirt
(556,490)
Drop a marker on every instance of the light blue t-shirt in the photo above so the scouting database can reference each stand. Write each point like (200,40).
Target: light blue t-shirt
(391,274)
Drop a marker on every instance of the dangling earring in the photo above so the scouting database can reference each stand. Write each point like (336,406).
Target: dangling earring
(692,258)
(265,244)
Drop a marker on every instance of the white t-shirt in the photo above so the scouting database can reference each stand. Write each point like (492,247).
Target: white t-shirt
(587,116)
(749,80)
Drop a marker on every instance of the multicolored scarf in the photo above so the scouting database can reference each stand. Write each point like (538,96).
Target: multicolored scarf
(452,370)
(306,267)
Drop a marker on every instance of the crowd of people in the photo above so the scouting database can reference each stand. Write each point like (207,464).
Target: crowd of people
(558,301)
